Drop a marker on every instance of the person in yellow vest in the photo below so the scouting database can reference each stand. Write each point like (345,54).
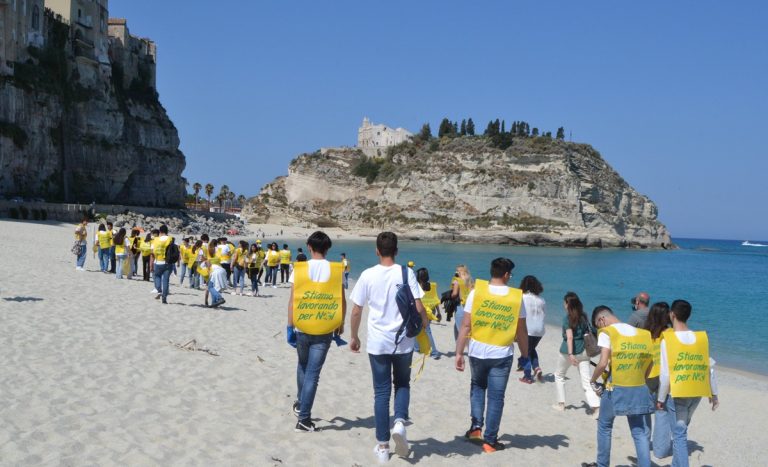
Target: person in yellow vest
(493,319)
(121,245)
(145,247)
(431,304)
(112,261)
(225,252)
(627,352)
(81,243)
(252,265)
(238,267)
(217,275)
(272,262)
(160,268)
(133,251)
(183,260)
(316,308)
(285,264)
(261,256)
(346,266)
(460,287)
(687,374)
(103,239)
(656,323)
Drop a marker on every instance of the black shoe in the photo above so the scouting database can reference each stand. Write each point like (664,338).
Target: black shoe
(492,447)
(296,407)
(165,302)
(589,464)
(305,426)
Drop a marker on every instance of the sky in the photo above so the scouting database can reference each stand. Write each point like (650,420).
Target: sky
(674,95)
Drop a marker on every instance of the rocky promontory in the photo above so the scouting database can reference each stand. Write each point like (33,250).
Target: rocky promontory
(536,191)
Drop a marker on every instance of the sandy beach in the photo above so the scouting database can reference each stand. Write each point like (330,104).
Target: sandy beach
(91,375)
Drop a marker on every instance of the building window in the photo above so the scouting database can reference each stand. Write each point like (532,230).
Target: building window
(36,18)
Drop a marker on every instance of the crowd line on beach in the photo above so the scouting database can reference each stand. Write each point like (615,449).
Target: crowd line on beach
(653,369)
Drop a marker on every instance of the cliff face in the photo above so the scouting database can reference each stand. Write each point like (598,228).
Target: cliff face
(65,138)
(536,192)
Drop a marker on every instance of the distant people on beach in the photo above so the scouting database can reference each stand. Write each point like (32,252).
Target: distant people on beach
(285,264)
(80,248)
(347,268)
(389,352)
(535,311)
(493,320)
(461,285)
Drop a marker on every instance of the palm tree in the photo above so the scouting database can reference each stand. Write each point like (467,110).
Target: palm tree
(223,192)
(209,192)
(197,187)
(220,199)
(231,197)
(241,201)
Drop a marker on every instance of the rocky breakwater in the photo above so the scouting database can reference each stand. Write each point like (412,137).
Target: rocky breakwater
(183,222)
(536,191)
(63,138)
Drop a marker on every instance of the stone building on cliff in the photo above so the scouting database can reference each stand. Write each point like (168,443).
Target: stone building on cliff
(21,26)
(372,138)
(136,56)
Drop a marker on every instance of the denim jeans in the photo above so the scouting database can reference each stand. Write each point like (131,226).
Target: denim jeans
(119,260)
(271,275)
(194,277)
(145,267)
(676,417)
(489,377)
(533,341)
(254,281)
(311,351)
(434,352)
(628,399)
(81,257)
(238,278)
(345,282)
(162,278)
(183,273)
(215,295)
(458,317)
(387,369)
(112,259)
(134,264)
(104,259)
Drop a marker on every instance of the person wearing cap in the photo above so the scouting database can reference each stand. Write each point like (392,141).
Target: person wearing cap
(640,310)
(411,264)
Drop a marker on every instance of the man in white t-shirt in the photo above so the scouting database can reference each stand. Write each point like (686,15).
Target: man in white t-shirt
(494,315)
(312,348)
(390,360)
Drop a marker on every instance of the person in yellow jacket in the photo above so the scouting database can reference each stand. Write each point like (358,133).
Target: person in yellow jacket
(272,262)
(686,375)
(161,269)
(285,264)
(145,249)
(461,285)
(238,267)
(345,264)
(112,260)
(122,247)
(431,304)
(103,240)
(627,352)
(183,260)
(81,243)
(493,320)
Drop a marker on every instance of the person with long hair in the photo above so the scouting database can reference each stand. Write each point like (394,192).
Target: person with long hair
(431,302)
(133,251)
(121,251)
(217,280)
(461,285)
(252,265)
(238,267)
(103,239)
(146,255)
(193,263)
(272,261)
(572,353)
(535,309)
(656,323)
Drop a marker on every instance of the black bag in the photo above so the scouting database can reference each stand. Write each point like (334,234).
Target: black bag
(407,305)
(172,253)
(449,304)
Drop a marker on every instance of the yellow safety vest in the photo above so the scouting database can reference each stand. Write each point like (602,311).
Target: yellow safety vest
(104,237)
(204,272)
(145,247)
(688,365)
(630,357)
(285,256)
(273,258)
(345,263)
(159,246)
(656,354)
(463,290)
(191,257)
(430,301)
(241,257)
(317,306)
(494,317)
(120,249)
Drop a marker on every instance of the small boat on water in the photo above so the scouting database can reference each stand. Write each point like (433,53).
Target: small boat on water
(748,243)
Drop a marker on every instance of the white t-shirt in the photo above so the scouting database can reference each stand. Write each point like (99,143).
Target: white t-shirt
(377,288)
(319,271)
(224,250)
(535,309)
(686,337)
(481,349)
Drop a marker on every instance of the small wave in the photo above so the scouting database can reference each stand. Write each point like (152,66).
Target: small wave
(747,243)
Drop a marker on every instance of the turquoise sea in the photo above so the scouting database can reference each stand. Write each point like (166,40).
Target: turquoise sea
(726,282)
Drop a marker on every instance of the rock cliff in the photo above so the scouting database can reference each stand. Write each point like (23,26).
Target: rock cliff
(538,191)
(65,141)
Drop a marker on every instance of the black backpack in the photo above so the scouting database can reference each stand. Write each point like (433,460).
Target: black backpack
(407,305)
(172,253)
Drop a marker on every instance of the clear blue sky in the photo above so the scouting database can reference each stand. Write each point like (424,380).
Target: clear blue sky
(673,94)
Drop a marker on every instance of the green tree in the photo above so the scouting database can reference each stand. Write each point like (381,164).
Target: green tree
(425,134)
(241,201)
(535,132)
(445,129)
(197,187)
(470,127)
(503,127)
(560,133)
(224,192)
(231,198)
(209,193)
(463,130)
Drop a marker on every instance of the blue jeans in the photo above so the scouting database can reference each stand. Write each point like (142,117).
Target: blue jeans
(311,351)
(489,377)
(254,282)
(458,318)
(81,257)
(184,273)
(385,369)
(676,417)
(629,399)
(162,278)
(345,282)
(215,295)
(238,278)
(112,259)
(271,275)
(120,259)
(104,259)
(194,277)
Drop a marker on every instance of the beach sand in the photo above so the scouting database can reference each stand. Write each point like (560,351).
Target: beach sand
(91,375)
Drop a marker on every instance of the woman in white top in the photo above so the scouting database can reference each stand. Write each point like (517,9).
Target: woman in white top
(535,308)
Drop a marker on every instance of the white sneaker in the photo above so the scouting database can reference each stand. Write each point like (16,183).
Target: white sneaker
(401,441)
(154,291)
(382,453)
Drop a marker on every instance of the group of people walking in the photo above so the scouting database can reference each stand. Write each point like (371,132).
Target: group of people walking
(653,369)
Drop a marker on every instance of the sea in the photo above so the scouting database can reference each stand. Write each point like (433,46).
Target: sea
(726,282)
